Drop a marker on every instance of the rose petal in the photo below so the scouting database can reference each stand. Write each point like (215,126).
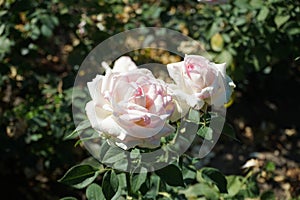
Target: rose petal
(106,125)
(91,114)
(222,68)
(94,88)
(129,123)
(124,64)
(176,73)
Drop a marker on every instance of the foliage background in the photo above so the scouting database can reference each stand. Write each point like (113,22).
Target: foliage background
(42,44)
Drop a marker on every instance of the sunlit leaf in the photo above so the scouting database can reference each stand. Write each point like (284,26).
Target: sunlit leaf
(194,116)
(137,179)
(94,192)
(217,42)
(199,190)
(113,154)
(234,184)
(205,132)
(82,125)
(281,19)
(263,13)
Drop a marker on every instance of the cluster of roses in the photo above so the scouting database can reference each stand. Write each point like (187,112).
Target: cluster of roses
(130,107)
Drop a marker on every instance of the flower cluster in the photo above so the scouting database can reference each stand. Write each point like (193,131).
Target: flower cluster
(131,108)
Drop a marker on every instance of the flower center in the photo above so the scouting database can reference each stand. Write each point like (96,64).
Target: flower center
(144,121)
(138,92)
(189,67)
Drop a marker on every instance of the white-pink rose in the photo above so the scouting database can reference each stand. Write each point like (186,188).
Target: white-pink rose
(130,107)
(197,80)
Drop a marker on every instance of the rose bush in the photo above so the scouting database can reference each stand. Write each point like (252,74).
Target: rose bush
(199,80)
(129,106)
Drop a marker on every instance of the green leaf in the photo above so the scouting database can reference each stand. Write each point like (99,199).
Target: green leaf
(200,189)
(3,12)
(256,63)
(270,166)
(256,3)
(243,4)
(79,176)
(94,163)
(122,180)
(171,174)
(229,131)
(110,184)
(40,122)
(205,132)
(293,31)
(68,198)
(234,184)
(103,149)
(240,21)
(189,174)
(121,165)
(2,28)
(213,29)
(215,176)
(35,32)
(94,192)
(55,20)
(281,19)
(151,188)
(86,135)
(47,21)
(252,190)
(5,44)
(194,116)
(135,153)
(82,125)
(113,154)
(46,31)
(138,179)
(263,14)
(268,195)
(224,57)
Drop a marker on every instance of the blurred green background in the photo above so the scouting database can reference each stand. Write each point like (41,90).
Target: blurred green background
(43,43)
